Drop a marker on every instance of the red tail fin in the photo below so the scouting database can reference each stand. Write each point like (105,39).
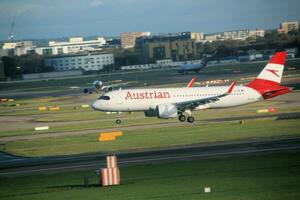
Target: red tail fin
(268,81)
(191,83)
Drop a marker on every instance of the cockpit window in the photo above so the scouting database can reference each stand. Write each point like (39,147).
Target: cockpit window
(104,97)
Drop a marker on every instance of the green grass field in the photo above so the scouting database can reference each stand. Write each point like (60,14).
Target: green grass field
(268,177)
(156,137)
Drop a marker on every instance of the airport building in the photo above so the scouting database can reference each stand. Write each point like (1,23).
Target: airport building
(176,49)
(18,48)
(242,34)
(286,27)
(86,62)
(128,38)
(198,36)
(73,46)
(235,35)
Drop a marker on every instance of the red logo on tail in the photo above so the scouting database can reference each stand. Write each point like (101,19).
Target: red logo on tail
(273,71)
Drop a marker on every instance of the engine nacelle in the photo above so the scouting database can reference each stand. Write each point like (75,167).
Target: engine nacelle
(97,84)
(167,111)
(87,91)
(151,113)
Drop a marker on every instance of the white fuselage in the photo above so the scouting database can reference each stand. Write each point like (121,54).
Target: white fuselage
(149,99)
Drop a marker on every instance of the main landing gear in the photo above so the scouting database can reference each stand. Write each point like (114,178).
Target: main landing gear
(189,119)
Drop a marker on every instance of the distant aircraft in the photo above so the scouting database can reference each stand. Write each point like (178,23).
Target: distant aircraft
(99,86)
(176,102)
(195,67)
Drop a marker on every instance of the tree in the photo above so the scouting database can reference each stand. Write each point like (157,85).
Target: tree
(10,67)
(33,64)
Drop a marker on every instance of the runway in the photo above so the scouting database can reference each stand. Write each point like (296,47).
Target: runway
(19,166)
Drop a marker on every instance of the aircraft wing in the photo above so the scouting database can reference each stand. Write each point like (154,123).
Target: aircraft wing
(195,103)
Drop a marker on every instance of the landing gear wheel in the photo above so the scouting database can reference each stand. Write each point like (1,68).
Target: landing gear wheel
(182,118)
(190,119)
(118,121)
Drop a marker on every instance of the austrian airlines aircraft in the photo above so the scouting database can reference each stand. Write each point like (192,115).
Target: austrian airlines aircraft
(175,102)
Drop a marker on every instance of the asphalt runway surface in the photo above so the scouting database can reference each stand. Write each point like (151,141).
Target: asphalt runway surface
(20,166)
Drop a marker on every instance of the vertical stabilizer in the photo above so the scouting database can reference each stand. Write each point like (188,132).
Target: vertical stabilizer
(272,73)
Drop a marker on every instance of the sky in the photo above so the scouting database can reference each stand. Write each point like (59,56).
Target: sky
(38,19)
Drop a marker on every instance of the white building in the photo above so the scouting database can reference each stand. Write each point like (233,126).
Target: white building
(9,45)
(19,48)
(257,33)
(212,38)
(236,35)
(198,36)
(86,62)
(74,45)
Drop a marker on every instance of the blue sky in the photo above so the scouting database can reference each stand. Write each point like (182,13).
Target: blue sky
(63,18)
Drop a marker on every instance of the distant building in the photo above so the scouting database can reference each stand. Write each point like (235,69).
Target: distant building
(257,33)
(197,36)
(168,48)
(18,48)
(9,45)
(286,27)
(6,52)
(212,37)
(73,46)
(45,51)
(128,38)
(235,35)
(86,62)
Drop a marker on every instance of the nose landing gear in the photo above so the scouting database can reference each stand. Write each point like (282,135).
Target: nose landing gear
(118,120)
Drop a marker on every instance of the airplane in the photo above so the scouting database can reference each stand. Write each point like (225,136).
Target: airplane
(99,86)
(176,102)
(194,67)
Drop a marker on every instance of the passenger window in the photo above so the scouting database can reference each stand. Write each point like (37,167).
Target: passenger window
(104,98)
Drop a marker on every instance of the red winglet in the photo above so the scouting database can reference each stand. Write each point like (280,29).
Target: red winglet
(231,87)
(191,83)
(278,58)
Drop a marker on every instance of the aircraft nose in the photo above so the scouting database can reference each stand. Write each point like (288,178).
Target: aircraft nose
(96,105)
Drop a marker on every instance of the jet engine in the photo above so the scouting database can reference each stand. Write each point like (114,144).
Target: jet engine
(97,87)
(167,111)
(151,113)
(97,84)
(163,111)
